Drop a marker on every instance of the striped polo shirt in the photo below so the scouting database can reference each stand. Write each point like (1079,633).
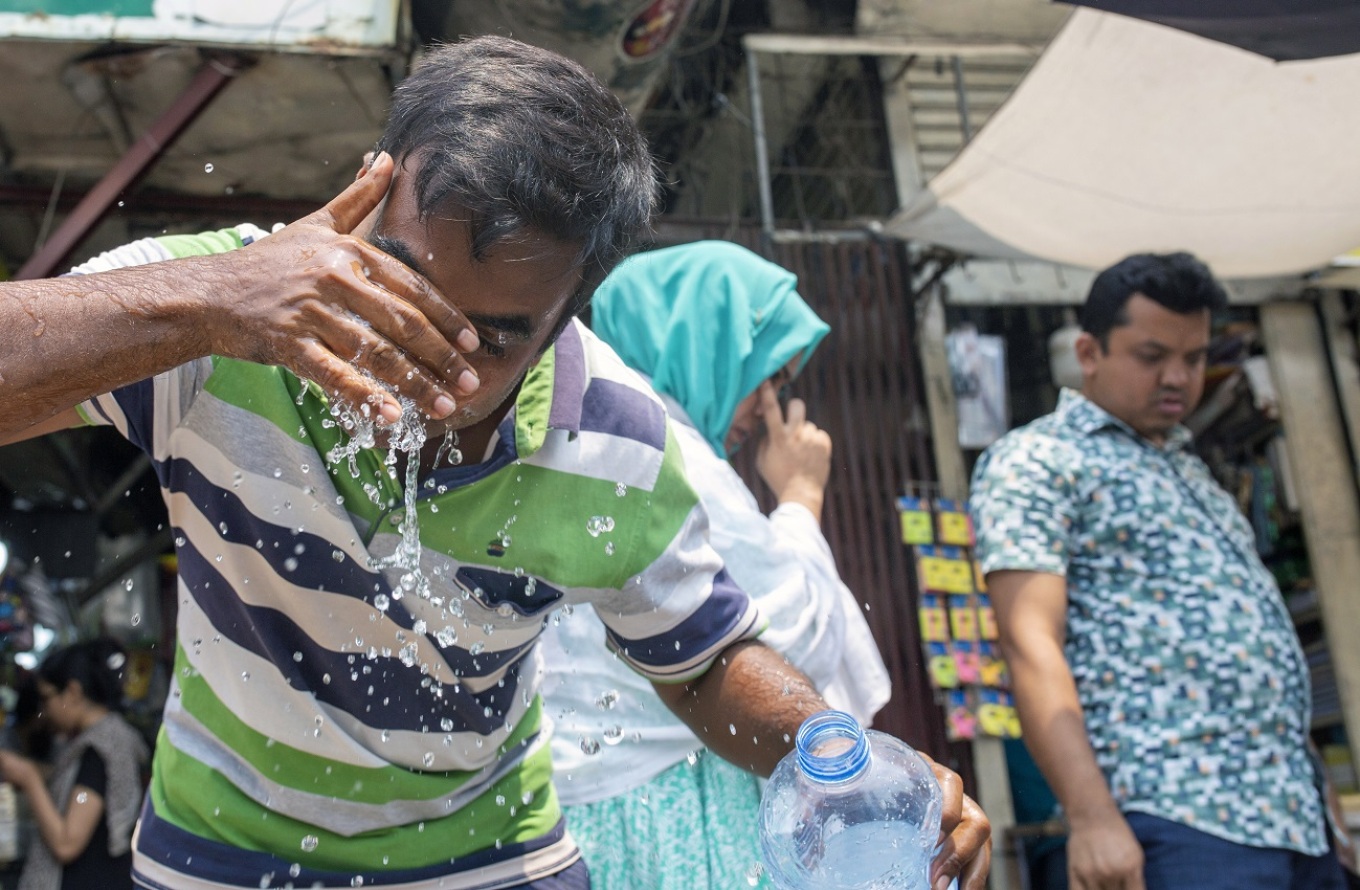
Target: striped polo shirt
(322,728)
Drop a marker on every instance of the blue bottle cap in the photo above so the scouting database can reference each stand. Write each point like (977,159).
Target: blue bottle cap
(832,747)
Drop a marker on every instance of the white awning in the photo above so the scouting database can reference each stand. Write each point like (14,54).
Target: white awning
(1129,136)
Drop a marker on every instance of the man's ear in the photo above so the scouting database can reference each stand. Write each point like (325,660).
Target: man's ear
(367,165)
(1089,351)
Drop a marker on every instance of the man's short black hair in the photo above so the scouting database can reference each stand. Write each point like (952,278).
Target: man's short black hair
(1176,281)
(522,138)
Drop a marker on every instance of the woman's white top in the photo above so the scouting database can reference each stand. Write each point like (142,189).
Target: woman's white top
(611,733)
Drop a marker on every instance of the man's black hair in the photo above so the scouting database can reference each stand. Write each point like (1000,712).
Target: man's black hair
(1176,281)
(520,138)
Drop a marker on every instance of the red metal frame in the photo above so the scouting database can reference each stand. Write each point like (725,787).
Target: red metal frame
(139,157)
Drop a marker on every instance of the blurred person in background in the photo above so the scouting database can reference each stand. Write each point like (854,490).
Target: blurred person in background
(84,814)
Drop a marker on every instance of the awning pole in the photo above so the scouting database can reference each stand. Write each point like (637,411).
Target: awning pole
(762,148)
(961,96)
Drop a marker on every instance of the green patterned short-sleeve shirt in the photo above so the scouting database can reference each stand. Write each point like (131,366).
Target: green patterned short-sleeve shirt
(1190,674)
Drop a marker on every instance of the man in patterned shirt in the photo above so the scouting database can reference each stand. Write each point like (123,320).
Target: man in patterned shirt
(1160,683)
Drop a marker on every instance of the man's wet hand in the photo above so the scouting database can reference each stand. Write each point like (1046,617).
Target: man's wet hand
(335,310)
(965,846)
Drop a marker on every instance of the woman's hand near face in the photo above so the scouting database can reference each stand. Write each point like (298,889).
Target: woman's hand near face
(794,457)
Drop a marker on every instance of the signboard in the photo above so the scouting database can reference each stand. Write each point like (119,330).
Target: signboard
(329,26)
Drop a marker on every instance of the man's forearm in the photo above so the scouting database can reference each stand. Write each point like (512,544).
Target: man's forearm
(747,708)
(1055,733)
(315,297)
(69,338)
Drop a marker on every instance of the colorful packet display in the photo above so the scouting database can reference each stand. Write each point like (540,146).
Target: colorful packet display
(944,570)
(956,621)
(933,619)
(952,523)
(960,715)
(996,714)
(918,527)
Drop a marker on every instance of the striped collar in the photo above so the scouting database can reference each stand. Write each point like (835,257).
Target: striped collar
(551,395)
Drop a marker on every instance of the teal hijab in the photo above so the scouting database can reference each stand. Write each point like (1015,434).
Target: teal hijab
(708,322)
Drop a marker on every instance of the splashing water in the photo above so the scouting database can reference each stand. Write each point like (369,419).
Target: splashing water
(405,436)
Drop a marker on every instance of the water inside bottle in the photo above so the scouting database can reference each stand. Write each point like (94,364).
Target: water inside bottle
(854,857)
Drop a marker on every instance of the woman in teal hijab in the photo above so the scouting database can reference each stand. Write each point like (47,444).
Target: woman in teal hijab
(718,330)
(708,322)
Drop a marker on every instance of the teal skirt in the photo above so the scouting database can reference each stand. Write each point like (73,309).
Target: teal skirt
(693,827)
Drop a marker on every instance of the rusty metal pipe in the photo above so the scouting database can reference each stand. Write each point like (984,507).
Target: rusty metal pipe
(132,165)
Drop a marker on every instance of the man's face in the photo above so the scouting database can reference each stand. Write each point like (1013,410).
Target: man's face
(514,297)
(1152,373)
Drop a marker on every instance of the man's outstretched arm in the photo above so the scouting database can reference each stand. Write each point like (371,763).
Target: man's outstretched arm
(312,297)
(747,708)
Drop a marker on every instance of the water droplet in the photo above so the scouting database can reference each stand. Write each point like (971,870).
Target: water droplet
(613,735)
(294,870)
(599,525)
(428,759)
(692,757)
(381,602)
(732,728)
(245,676)
(127,585)
(207,168)
(754,873)
(297,656)
(136,619)
(589,746)
(607,699)
(290,564)
(386,735)
(81,797)
(609,548)
(309,843)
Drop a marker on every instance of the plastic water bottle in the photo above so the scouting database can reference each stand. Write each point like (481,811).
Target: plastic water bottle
(849,809)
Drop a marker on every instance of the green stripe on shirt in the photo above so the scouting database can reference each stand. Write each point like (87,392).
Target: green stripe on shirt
(203,802)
